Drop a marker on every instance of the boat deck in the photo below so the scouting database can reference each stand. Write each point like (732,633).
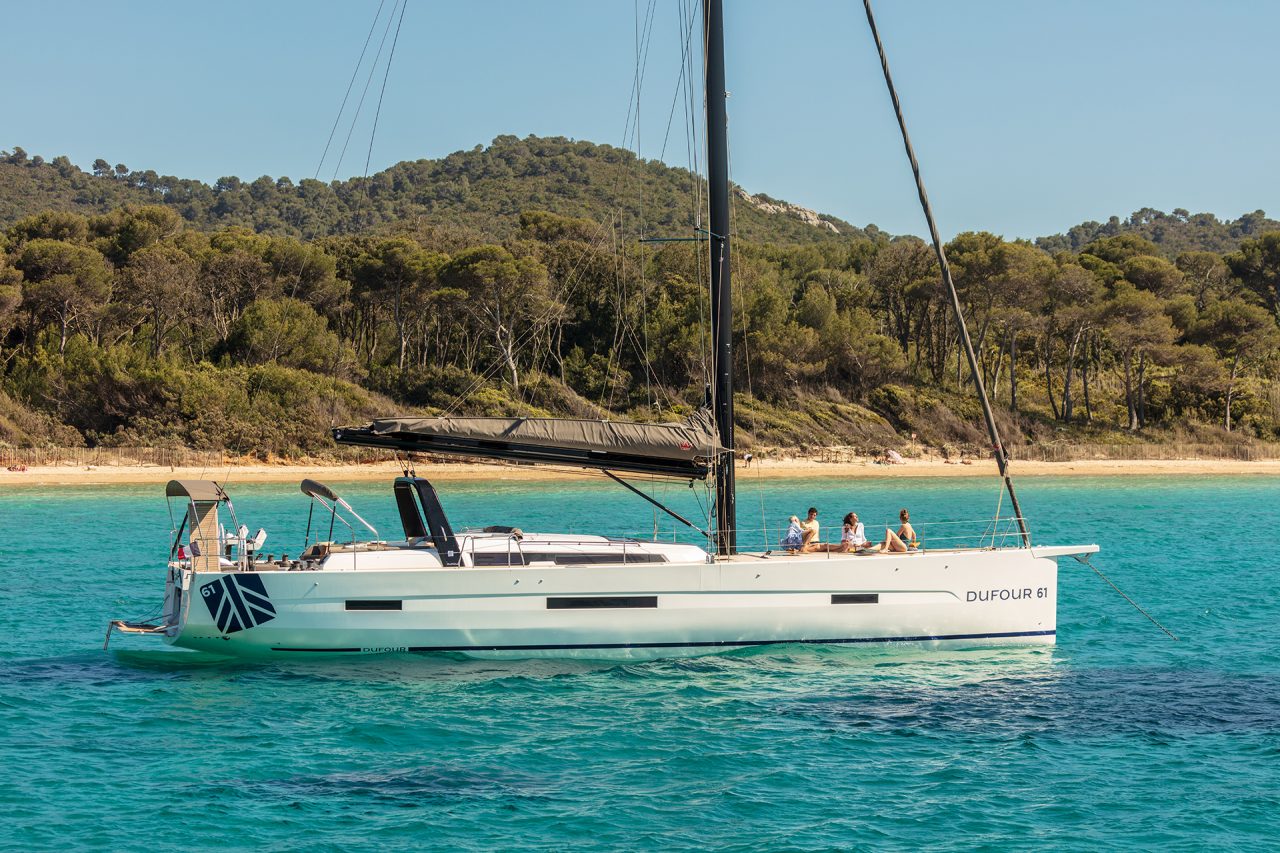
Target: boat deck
(1036,551)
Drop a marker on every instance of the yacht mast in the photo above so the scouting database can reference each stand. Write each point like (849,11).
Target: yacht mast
(726,534)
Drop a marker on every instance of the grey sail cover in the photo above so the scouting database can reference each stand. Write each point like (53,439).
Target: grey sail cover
(682,449)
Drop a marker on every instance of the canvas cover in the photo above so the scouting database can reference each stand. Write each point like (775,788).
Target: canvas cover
(314,488)
(684,449)
(196,490)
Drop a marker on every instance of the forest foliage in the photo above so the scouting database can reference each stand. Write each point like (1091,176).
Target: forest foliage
(190,323)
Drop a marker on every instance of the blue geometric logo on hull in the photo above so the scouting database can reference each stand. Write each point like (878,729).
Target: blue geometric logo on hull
(237,602)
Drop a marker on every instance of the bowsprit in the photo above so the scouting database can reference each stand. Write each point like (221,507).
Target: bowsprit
(237,602)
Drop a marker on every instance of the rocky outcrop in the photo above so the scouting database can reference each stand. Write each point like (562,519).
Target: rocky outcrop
(786,208)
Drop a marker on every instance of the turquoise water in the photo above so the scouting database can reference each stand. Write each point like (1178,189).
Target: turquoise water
(1118,737)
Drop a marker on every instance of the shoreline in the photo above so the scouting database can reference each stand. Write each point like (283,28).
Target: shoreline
(55,475)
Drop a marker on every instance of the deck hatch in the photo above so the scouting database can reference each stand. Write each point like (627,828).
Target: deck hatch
(374,604)
(602,603)
(855,598)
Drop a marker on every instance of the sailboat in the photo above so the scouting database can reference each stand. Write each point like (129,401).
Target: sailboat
(498,591)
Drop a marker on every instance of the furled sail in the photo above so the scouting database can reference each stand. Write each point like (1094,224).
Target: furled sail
(685,449)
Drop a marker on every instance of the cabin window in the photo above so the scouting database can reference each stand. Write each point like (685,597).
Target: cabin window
(600,603)
(374,604)
(515,558)
(616,558)
(855,598)
(522,558)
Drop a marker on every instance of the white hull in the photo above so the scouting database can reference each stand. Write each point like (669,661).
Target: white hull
(974,597)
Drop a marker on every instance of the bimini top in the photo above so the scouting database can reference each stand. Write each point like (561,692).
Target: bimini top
(196,490)
(686,449)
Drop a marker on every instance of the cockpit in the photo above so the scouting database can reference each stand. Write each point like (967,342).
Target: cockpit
(338,538)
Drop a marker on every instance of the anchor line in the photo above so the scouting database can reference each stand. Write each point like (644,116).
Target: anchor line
(1136,606)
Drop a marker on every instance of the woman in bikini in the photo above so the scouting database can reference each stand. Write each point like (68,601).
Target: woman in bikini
(907,533)
(902,541)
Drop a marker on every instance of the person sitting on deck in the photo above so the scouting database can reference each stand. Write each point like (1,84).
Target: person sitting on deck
(906,532)
(809,542)
(793,539)
(897,543)
(891,544)
(853,536)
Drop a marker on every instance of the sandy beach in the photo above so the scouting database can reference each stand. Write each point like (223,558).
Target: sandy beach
(771,469)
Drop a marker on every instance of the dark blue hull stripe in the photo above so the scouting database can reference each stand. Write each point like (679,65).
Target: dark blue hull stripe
(237,602)
(686,645)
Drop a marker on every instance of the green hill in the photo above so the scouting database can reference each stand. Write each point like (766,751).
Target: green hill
(482,192)
(1173,233)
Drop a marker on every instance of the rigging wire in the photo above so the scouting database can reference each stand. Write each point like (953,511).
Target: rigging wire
(995,520)
(693,149)
(686,35)
(644,41)
(704,203)
(696,185)
(623,328)
(735,260)
(686,38)
(355,72)
(642,346)
(640,226)
(623,332)
(637,78)
(534,328)
(365,91)
(617,240)
(1002,461)
(697,182)
(699,199)
(385,74)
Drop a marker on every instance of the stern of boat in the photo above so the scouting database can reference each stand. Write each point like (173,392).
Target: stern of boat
(168,624)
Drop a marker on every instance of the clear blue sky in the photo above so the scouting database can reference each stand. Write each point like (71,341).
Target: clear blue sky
(1028,116)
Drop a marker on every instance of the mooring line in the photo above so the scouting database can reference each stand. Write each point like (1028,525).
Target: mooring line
(1085,559)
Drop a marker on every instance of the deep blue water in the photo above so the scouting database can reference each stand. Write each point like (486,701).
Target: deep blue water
(1117,737)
